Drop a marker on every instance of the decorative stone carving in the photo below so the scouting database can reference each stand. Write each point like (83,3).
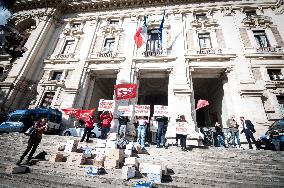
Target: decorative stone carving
(257,21)
(227,11)
(205,23)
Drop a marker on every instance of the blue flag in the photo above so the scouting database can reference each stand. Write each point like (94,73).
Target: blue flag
(161,29)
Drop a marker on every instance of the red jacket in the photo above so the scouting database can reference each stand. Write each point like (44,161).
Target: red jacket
(89,123)
(106,119)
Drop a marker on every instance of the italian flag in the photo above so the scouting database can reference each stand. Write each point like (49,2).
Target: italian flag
(141,36)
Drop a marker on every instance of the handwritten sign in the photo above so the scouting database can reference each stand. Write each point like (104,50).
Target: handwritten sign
(142,110)
(125,110)
(160,110)
(182,128)
(106,105)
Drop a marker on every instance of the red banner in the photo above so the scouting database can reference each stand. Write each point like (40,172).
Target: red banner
(125,91)
(70,111)
(79,114)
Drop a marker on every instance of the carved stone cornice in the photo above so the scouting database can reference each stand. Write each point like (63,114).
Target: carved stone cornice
(257,21)
(111,29)
(204,23)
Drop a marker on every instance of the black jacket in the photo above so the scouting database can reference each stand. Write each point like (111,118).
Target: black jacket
(250,127)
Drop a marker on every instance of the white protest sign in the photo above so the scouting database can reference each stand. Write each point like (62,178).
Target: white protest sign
(125,110)
(106,105)
(160,110)
(142,110)
(182,128)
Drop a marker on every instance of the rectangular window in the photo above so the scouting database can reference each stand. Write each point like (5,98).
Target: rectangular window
(261,39)
(250,13)
(68,47)
(115,22)
(47,99)
(275,74)
(204,40)
(56,75)
(153,42)
(109,45)
(76,25)
(281,103)
(200,16)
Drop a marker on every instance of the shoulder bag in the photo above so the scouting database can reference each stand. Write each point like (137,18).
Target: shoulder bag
(30,131)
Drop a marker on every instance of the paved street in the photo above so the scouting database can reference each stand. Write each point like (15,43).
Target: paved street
(213,167)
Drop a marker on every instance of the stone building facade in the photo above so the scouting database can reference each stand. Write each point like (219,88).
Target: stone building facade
(229,53)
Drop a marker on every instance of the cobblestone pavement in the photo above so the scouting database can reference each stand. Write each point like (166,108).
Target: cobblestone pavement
(213,167)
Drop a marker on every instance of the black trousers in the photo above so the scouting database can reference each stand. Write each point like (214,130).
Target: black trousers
(183,140)
(87,131)
(32,145)
(161,135)
(249,137)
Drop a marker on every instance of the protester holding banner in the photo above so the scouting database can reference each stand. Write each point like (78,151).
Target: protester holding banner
(162,128)
(141,130)
(106,118)
(89,126)
(182,136)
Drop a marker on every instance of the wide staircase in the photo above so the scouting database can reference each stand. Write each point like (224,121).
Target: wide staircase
(199,167)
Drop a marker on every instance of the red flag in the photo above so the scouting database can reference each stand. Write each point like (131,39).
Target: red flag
(125,91)
(201,103)
(138,38)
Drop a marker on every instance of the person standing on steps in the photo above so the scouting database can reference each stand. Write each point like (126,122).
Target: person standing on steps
(141,130)
(162,122)
(123,120)
(106,118)
(183,136)
(248,129)
(89,126)
(34,140)
(234,129)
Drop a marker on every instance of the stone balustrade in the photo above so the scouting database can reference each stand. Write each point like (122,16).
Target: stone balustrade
(209,51)
(64,56)
(270,50)
(155,53)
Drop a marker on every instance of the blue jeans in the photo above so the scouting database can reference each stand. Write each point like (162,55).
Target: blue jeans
(105,130)
(236,135)
(221,142)
(141,135)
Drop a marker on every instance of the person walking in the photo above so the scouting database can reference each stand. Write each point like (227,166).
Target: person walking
(89,126)
(106,118)
(248,129)
(183,136)
(34,140)
(141,130)
(234,129)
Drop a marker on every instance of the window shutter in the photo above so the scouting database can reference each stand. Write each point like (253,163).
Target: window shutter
(277,36)
(220,38)
(245,38)
(189,39)
(78,46)
(58,46)
(98,44)
(121,43)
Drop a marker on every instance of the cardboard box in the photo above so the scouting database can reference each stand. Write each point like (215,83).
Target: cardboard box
(112,136)
(130,146)
(155,178)
(99,151)
(99,161)
(132,161)
(127,172)
(14,169)
(74,159)
(144,168)
(111,163)
(100,143)
(111,144)
(138,148)
(127,153)
(89,161)
(58,157)
(71,146)
(122,143)
(117,154)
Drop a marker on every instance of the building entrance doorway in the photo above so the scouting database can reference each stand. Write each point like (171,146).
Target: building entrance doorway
(210,89)
(153,91)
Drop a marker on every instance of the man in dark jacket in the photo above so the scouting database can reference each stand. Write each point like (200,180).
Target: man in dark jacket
(162,128)
(123,120)
(248,129)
